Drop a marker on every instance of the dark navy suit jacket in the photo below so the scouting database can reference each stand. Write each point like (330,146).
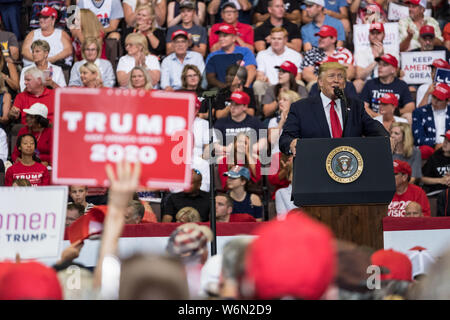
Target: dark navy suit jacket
(306,119)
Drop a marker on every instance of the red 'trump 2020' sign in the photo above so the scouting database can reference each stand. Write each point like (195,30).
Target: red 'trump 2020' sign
(97,126)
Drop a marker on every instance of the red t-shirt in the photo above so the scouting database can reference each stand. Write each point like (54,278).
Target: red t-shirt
(44,144)
(37,174)
(24,100)
(413,193)
(245,32)
(274,180)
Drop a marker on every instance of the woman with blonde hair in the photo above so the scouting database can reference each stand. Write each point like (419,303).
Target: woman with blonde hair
(140,79)
(137,55)
(91,76)
(404,148)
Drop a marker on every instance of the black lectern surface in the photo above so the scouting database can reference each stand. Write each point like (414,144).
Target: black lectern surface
(363,165)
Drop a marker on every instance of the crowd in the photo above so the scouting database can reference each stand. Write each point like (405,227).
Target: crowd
(259,57)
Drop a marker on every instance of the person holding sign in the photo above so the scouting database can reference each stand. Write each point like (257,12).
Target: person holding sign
(423,96)
(427,41)
(29,165)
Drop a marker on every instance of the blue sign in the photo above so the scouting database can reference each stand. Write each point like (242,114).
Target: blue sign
(442,75)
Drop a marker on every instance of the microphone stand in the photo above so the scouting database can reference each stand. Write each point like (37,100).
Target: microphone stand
(338,92)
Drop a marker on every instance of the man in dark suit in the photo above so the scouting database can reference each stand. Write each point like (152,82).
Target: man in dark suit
(324,115)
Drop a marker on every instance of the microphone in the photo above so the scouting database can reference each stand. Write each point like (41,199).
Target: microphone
(339,93)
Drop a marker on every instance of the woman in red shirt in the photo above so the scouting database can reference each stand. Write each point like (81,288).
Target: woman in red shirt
(28,165)
(38,125)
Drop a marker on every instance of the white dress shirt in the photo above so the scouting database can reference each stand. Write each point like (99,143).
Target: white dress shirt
(326,107)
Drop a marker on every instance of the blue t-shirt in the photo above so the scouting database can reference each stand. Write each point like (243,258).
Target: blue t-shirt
(218,61)
(335,5)
(373,90)
(309,30)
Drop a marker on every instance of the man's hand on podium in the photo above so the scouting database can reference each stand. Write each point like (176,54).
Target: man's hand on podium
(292,146)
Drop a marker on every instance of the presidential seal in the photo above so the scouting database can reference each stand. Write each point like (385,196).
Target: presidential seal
(344,164)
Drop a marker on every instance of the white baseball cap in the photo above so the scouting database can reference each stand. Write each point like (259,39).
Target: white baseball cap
(318,2)
(38,109)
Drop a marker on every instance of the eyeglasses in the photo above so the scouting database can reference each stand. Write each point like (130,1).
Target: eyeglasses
(90,49)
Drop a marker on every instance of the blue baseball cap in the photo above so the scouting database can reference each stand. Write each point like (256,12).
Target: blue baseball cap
(237,172)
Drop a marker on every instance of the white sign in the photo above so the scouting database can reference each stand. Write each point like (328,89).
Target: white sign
(397,12)
(391,42)
(32,221)
(416,64)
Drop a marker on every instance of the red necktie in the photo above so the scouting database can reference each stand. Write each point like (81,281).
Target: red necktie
(336,128)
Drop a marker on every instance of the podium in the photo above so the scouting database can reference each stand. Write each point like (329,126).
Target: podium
(347,184)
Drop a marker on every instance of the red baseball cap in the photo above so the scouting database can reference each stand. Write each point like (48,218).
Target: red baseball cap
(446,135)
(396,265)
(441,91)
(327,31)
(389,98)
(295,257)
(48,12)
(402,167)
(226,28)
(289,67)
(440,63)
(376,26)
(427,30)
(30,281)
(423,3)
(240,97)
(179,33)
(390,59)
(426,151)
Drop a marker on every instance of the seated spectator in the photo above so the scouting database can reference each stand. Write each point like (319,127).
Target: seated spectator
(409,27)
(432,121)
(86,25)
(235,79)
(129,11)
(405,150)
(283,196)
(53,73)
(366,66)
(388,104)
(188,214)
(191,82)
(35,91)
(224,209)
(134,213)
(59,41)
(339,10)
(174,13)
(218,61)
(29,166)
(413,210)
(315,10)
(276,9)
(198,36)
(436,171)
(427,36)
(267,61)
(326,48)
(91,76)
(90,50)
(243,201)
(78,194)
(230,14)
(240,154)
(9,44)
(5,102)
(292,12)
(423,94)
(386,82)
(137,55)
(9,73)
(193,197)
(146,25)
(140,79)
(38,125)
(243,8)
(236,122)
(74,211)
(406,192)
(59,6)
(368,12)
(172,65)
(108,12)
(287,73)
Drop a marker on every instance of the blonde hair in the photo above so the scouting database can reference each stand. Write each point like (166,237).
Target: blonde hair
(408,139)
(279,29)
(324,67)
(189,213)
(40,44)
(290,95)
(92,67)
(87,42)
(151,11)
(138,39)
(90,26)
(147,76)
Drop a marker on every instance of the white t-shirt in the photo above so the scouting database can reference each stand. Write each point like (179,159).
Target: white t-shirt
(439,122)
(283,202)
(267,60)
(364,57)
(105,10)
(273,123)
(3,145)
(126,63)
(396,119)
(56,71)
(201,135)
(421,93)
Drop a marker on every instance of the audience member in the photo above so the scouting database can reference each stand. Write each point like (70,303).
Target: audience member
(74,211)
(388,104)
(292,12)
(9,44)
(369,11)
(172,65)
(5,102)
(78,193)
(427,36)
(413,210)
(174,13)
(276,9)
(188,214)
(60,7)
(243,8)
(9,73)
(423,94)
(224,210)
(244,32)
(283,196)
(140,79)
(91,76)
(134,212)
(406,192)
(198,36)
(129,11)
